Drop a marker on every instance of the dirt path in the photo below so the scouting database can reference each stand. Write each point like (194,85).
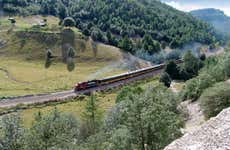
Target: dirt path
(11,77)
(195,115)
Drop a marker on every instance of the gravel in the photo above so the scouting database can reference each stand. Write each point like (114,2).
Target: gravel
(212,135)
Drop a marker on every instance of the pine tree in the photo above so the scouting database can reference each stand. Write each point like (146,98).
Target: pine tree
(92,115)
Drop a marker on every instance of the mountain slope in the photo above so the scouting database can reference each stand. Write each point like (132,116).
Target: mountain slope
(118,21)
(215,17)
(23,65)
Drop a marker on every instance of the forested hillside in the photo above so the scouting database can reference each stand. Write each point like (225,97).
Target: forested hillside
(128,24)
(215,17)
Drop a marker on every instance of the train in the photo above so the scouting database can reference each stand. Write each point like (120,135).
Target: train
(121,77)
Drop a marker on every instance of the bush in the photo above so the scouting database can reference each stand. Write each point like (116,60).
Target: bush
(215,99)
(55,130)
(194,87)
(191,65)
(126,92)
(165,78)
(202,57)
(172,69)
(126,44)
(218,67)
(69,22)
(12,132)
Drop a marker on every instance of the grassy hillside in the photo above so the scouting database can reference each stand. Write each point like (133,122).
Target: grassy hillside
(117,21)
(23,57)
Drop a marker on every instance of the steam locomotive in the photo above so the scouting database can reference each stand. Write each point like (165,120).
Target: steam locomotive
(109,80)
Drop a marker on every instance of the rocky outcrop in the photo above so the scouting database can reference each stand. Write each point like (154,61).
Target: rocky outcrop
(212,135)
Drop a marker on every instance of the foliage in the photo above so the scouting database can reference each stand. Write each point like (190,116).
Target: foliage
(149,118)
(143,118)
(92,117)
(189,69)
(12,133)
(195,87)
(215,99)
(53,131)
(126,92)
(215,17)
(202,57)
(97,35)
(165,78)
(174,55)
(126,44)
(120,140)
(69,22)
(12,20)
(173,70)
(150,45)
(216,69)
(159,23)
(190,66)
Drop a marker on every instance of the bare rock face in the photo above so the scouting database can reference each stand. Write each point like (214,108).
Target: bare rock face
(212,135)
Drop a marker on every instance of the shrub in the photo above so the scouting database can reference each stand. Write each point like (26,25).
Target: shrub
(126,44)
(191,65)
(218,68)
(12,132)
(194,87)
(126,92)
(202,57)
(172,70)
(215,99)
(123,94)
(53,131)
(69,22)
(165,78)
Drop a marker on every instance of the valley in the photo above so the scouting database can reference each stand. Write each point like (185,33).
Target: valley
(112,74)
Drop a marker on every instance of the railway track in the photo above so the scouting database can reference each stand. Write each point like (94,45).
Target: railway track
(61,96)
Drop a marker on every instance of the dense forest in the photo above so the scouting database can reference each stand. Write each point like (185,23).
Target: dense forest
(132,25)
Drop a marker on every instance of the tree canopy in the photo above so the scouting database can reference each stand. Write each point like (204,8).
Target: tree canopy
(158,23)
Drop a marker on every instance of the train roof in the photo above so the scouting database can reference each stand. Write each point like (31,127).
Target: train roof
(131,72)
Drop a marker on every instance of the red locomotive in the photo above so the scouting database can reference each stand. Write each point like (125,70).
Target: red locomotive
(86,85)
